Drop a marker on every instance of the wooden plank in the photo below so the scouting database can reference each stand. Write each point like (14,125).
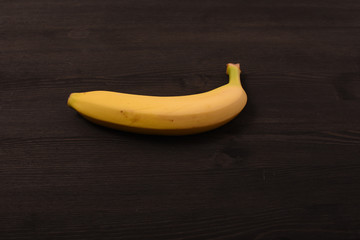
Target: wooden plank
(286,168)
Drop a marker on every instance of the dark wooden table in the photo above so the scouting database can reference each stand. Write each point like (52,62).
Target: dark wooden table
(288,167)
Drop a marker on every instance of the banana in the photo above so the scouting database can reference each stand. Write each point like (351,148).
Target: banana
(168,115)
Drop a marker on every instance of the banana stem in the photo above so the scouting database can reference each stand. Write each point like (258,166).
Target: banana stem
(233,70)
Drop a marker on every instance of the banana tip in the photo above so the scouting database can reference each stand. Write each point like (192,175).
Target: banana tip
(234,64)
(70,101)
(237,65)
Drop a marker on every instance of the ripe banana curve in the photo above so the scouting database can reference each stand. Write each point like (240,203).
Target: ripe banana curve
(164,115)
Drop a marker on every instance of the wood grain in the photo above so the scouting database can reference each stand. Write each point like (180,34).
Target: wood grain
(286,168)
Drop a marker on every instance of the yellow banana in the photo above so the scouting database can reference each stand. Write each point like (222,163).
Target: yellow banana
(170,115)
